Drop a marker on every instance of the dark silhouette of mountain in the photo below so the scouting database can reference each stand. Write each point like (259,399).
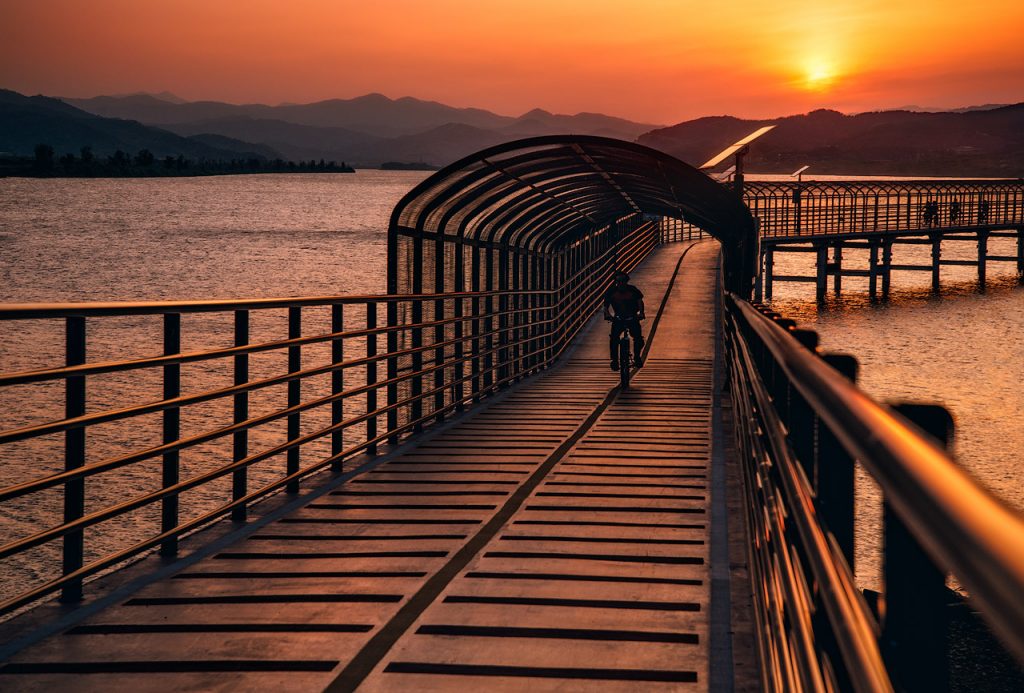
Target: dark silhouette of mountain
(239,147)
(28,121)
(439,146)
(367,129)
(374,114)
(163,96)
(294,142)
(962,109)
(969,143)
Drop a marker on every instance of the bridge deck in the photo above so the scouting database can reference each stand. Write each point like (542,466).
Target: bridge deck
(555,539)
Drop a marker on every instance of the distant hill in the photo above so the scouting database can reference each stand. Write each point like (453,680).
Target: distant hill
(294,142)
(438,146)
(971,142)
(27,121)
(368,130)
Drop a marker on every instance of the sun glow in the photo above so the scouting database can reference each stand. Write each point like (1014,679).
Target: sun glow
(819,75)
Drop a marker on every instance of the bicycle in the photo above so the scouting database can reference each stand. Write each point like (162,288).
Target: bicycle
(622,350)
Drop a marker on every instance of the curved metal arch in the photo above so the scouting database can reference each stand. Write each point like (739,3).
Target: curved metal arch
(524,218)
(509,194)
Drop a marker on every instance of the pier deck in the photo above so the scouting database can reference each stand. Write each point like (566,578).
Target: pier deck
(557,538)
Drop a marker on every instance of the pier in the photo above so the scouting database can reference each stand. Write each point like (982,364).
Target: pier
(445,487)
(830,219)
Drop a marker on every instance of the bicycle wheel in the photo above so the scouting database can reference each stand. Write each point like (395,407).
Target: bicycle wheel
(624,364)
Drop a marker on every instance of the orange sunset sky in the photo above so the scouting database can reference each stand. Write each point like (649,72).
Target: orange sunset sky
(656,61)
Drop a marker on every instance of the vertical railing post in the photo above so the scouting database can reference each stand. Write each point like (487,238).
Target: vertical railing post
(439,356)
(338,384)
(915,629)
(458,311)
(74,456)
(171,472)
(503,318)
(800,418)
(392,371)
(416,382)
(371,377)
(416,335)
(294,396)
(474,286)
(835,472)
(488,364)
(240,442)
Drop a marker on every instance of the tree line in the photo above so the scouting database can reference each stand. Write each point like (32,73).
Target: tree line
(144,163)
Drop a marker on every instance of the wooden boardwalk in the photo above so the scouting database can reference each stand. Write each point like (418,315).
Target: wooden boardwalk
(557,539)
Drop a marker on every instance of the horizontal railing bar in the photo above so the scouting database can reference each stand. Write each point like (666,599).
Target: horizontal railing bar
(963,527)
(196,523)
(116,463)
(210,395)
(45,374)
(37,311)
(855,633)
(138,502)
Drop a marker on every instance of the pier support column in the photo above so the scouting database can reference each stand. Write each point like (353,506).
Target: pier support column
(1020,254)
(759,278)
(822,276)
(886,267)
(873,271)
(837,280)
(769,268)
(982,258)
(936,257)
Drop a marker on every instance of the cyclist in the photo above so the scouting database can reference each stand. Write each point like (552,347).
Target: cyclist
(624,307)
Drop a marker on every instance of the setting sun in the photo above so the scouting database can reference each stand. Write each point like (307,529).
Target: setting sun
(819,75)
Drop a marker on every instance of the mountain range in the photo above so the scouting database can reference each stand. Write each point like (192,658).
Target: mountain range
(966,142)
(366,130)
(26,121)
(369,130)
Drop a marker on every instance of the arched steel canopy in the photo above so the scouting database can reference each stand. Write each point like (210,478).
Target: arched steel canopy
(543,193)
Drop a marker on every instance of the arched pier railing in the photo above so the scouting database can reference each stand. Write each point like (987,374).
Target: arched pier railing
(800,424)
(542,214)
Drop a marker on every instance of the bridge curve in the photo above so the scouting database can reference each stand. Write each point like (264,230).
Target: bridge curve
(537,196)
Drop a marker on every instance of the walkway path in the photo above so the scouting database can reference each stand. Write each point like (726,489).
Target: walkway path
(555,539)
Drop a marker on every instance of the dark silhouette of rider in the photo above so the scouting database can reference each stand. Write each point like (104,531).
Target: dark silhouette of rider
(624,307)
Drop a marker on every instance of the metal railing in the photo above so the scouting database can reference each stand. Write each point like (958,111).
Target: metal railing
(823,208)
(800,425)
(460,348)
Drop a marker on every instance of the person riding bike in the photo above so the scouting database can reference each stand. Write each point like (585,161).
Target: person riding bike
(624,307)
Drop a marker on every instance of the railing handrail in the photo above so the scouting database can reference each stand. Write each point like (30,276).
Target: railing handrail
(964,527)
(25,311)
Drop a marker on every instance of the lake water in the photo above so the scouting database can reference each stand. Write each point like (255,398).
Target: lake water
(289,235)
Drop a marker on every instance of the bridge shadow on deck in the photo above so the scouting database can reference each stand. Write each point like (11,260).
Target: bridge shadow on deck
(555,539)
